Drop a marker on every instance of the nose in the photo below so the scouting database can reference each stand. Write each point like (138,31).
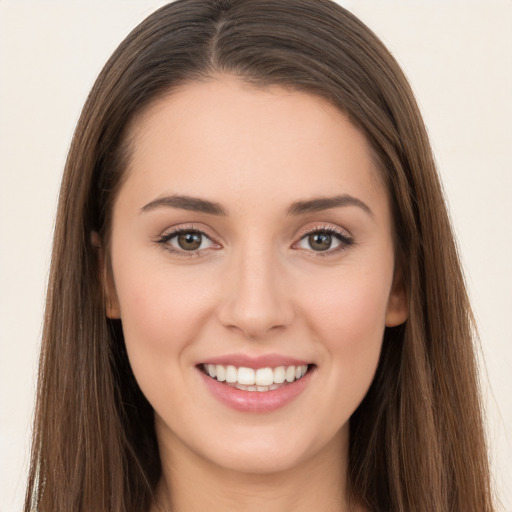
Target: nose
(257,296)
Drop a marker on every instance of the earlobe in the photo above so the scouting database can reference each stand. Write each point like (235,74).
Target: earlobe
(111,303)
(397,309)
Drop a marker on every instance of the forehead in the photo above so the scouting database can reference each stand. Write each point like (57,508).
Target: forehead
(224,137)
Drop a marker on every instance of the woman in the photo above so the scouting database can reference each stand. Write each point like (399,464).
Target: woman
(255,298)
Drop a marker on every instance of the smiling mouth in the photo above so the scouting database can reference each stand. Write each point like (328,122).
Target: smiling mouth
(260,379)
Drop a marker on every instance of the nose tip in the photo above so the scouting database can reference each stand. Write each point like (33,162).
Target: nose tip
(254,327)
(257,300)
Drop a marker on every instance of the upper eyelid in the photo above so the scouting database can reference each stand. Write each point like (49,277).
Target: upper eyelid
(176,230)
(328,228)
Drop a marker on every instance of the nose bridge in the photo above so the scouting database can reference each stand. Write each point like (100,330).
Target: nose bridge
(257,300)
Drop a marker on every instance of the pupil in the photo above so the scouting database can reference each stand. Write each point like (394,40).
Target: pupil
(320,241)
(189,241)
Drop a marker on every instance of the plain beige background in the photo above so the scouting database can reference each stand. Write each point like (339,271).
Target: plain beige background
(458,57)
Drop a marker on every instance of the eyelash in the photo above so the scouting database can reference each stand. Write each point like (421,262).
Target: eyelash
(166,238)
(342,237)
(344,240)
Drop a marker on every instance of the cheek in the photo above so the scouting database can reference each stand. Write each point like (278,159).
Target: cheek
(348,317)
(353,302)
(162,310)
(350,321)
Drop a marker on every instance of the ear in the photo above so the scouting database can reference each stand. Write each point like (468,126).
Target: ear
(112,309)
(397,309)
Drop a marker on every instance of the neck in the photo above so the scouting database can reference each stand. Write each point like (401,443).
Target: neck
(189,483)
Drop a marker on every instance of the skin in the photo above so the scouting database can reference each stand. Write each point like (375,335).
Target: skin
(254,287)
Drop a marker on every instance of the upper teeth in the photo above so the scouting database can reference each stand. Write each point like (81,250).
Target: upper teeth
(250,377)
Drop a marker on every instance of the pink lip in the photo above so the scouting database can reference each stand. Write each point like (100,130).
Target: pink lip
(264,361)
(256,401)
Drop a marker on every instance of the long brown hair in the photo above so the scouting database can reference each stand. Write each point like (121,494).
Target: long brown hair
(417,440)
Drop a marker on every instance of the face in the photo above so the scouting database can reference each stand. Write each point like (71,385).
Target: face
(253,272)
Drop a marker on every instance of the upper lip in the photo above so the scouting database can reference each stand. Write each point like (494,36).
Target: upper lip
(262,361)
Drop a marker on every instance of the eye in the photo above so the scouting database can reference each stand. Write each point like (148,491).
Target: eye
(191,241)
(184,241)
(325,240)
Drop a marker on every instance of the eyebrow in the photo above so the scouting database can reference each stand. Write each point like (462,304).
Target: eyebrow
(298,208)
(325,203)
(186,203)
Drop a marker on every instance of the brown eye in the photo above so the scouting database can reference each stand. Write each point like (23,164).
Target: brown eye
(320,241)
(189,241)
(325,241)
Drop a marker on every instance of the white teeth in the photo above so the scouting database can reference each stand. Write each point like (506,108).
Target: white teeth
(248,379)
(279,375)
(245,376)
(245,387)
(264,376)
(231,374)
(300,371)
(221,372)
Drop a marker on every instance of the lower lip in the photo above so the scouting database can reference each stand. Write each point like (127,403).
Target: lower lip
(256,401)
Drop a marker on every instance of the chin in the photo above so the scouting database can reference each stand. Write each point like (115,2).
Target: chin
(264,450)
